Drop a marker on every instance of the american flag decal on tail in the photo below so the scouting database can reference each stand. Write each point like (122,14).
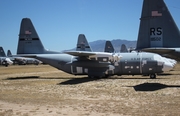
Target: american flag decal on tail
(28,32)
(156,13)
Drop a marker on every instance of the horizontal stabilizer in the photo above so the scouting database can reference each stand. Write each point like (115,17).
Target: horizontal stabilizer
(25,55)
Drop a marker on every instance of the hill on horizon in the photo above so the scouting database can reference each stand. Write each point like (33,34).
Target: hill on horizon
(98,45)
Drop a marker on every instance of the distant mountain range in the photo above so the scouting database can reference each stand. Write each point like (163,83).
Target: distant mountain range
(98,46)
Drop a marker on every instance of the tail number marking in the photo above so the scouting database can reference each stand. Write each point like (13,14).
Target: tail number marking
(156,37)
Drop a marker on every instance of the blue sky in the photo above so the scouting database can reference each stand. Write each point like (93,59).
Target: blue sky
(59,22)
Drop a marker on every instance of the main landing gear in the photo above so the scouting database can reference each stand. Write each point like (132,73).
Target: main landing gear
(152,76)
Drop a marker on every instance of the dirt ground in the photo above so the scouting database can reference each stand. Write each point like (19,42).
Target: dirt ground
(43,90)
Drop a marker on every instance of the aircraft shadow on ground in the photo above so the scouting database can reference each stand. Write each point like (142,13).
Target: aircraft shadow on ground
(72,81)
(78,81)
(75,80)
(134,78)
(37,77)
(152,86)
(24,77)
(164,74)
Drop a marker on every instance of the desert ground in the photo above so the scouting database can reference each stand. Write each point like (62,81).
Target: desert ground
(43,90)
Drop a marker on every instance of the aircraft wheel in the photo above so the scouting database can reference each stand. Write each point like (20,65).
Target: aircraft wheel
(5,63)
(92,77)
(106,76)
(152,76)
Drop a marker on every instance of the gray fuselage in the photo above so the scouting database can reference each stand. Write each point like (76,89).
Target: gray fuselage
(129,64)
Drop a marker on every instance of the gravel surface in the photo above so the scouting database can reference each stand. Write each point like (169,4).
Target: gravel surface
(43,90)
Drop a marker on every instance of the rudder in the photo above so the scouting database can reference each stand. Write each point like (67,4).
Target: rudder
(2,53)
(82,43)
(9,53)
(123,49)
(109,47)
(29,41)
(157,27)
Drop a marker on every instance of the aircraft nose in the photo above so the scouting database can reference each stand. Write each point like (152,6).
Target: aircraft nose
(9,61)
(167,66)
(171,61)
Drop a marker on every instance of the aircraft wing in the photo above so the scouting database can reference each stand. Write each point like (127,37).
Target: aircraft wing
(80,53)
(159,50)
(100,56)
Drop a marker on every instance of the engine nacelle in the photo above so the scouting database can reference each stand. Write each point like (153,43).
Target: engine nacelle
(106,57)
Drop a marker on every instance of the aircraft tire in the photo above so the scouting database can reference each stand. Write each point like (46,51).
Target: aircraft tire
(90,76)
(106,76)
(5,63)
(152,76)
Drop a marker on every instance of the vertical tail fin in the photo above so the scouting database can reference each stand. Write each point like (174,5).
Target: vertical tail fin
(2,53)
(109,47)
(123,48)
(29,41)
(157,27)
(82,43)
(9,53)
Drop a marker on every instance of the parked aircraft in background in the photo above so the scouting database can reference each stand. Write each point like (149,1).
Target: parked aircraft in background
(3,59)
(140,63)
(158,33)
(82,44)
(124,49)
(108,47)
(22,60)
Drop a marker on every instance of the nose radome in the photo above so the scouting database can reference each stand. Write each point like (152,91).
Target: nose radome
(170,61)
(167,66)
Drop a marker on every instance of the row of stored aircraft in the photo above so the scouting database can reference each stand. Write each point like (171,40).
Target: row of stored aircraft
(4,60)
(83,61)
(8,59)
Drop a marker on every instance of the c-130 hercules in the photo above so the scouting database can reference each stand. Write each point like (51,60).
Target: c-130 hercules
(86,62)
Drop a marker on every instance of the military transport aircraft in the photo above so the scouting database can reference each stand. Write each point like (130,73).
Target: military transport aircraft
(89,63)
(83,45)
(3,59)
(158,32)
(86,62)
